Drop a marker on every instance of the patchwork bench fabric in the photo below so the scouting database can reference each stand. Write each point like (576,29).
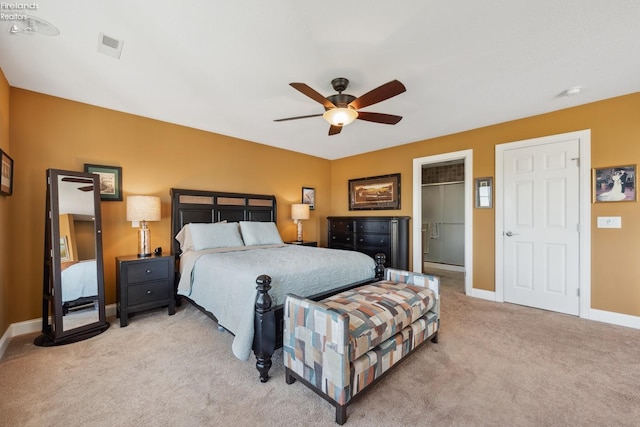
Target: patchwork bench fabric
(340,345)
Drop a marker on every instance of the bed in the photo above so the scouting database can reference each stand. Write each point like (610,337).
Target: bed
(233,265)
(79,284)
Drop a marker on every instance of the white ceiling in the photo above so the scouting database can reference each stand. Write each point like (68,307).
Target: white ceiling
(225,66)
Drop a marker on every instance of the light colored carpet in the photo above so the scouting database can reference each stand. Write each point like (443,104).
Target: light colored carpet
(495,365)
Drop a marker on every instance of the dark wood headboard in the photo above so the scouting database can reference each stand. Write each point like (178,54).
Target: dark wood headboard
(202,206)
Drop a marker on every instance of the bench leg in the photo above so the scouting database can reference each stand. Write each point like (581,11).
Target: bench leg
(288,377)
(341,414)
(434,339)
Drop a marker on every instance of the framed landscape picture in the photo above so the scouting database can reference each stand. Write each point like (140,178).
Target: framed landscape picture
(110,181)
(375,192)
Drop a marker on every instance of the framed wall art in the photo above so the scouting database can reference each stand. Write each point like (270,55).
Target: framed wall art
(6,179)
(309,197)
(110,181)
(614,184)
(64,249)
(375,192)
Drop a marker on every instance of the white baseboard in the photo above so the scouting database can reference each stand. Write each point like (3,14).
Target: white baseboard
(482,294)
(439,266)
(34,325)
(615,318)
(5,340)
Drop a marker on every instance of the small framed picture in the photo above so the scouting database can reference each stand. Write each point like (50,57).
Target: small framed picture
(614,184)
(6,179)
(309,197)
(64,249)
(484,189)
(110,181)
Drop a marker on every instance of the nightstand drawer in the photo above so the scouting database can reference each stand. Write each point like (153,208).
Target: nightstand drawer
(147,271)
(147,292)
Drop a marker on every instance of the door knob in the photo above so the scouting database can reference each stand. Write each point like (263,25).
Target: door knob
(509,233)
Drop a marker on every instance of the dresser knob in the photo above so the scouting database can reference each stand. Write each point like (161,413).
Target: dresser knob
(148,291)
(148,271)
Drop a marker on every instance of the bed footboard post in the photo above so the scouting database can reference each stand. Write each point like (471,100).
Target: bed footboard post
(264,328)
(380,259)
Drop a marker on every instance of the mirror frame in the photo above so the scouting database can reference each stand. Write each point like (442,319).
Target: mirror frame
(53,332)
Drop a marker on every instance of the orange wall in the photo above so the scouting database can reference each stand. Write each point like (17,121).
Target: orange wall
(4,210)
(49,132)
(615,136)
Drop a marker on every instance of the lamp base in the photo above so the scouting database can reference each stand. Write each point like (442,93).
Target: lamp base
(299,237)
(144,240)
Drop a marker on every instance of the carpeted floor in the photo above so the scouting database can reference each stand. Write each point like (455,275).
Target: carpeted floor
(495,365)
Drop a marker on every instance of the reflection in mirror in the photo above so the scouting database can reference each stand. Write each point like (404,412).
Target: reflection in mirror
(73,287)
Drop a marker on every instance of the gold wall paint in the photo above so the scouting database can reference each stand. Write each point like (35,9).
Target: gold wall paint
(155,156)
(615,136)
(5,243)
(48,132)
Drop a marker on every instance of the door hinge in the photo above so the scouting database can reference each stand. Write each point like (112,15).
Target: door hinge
(578,291)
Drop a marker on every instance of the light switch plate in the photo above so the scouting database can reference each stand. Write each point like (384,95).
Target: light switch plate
(609,222)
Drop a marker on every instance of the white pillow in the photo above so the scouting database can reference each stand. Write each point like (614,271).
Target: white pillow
(207,236)
(260,233)
(184,238)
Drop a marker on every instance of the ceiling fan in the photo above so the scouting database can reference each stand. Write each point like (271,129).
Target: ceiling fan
(342,109)
(80,181)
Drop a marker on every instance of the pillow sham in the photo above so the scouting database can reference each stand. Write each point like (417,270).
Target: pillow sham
(260,233)
(184,238)
(198,236)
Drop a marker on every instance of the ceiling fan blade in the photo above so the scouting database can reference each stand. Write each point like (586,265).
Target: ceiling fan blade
(387,119)
(78,180)
(312,94)
(334,130)
(379,94)
(298,117)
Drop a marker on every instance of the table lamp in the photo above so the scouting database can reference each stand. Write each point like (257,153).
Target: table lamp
(299,211)
(142,209)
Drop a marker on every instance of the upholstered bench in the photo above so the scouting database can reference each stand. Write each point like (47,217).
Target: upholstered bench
(338,346)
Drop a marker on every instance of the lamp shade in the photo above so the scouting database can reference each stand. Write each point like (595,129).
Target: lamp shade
(340,116)
(299,211)
(143,208)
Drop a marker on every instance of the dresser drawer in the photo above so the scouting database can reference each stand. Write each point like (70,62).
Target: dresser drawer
(147,271)
(341,238)
(148,292)
(373,240)
(341,226)
(372,226)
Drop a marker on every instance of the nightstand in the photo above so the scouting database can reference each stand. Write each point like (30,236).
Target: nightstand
(144,283)
(303,243)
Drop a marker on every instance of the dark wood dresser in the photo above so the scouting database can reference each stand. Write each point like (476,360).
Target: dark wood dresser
(372,235)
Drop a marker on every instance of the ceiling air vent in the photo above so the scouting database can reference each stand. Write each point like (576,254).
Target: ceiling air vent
(109,45)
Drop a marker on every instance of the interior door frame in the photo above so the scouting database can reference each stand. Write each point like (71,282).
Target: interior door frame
(418,163)
(584,280)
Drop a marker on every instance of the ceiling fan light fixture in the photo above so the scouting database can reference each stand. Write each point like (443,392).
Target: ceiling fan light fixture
(340,116)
